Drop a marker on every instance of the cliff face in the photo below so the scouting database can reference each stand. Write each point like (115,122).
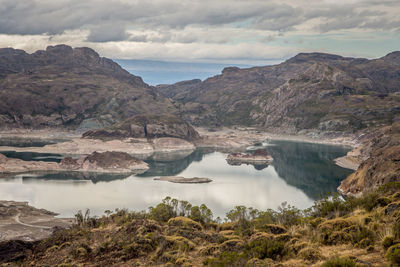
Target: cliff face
(382,164)
(147,126)
(64,86)
(310,91)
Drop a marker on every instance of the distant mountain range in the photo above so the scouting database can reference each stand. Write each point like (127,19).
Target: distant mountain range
(75,87)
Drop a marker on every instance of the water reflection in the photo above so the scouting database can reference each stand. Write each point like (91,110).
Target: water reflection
(298,174)
(27,142)
(308,166)
(33,156)
(73,176)
(172,166)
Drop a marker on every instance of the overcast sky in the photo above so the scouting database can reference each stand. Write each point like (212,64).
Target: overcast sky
(246,31)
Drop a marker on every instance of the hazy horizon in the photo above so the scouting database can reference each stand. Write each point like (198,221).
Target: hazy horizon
(156,72)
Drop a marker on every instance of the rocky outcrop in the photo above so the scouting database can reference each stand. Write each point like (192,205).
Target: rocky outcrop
(147,126)
(11,165)
(107,162)
(110,162)
(71,87)
(311,92)
(138,147)
(183,180)
(381,166)
(259,156)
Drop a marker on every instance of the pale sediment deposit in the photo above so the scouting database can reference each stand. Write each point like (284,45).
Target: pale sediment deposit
(106,162)
(183,180)
(139,147)
(259,156)
(20,221)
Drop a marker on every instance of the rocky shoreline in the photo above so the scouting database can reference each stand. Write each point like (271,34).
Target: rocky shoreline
(225,140)
(107,162)
(258,157)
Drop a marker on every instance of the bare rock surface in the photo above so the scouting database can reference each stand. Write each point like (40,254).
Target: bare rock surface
(382,163)
(19,221)
(147,126)
(183,180)
(11,165)
(168,144)
(259,156)
(82,146)
(108,162)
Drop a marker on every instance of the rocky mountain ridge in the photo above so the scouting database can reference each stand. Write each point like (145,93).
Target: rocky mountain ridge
(311,91)
(70,87)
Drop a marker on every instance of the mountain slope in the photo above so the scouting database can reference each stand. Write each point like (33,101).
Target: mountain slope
(309,91)
(64,86)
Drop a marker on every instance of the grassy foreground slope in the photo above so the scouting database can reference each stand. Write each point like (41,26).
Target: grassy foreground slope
(334,232)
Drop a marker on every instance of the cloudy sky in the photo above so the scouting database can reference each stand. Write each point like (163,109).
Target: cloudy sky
(246,31)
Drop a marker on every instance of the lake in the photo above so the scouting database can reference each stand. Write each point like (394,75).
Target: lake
(299,174)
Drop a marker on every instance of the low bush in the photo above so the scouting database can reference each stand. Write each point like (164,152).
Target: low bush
(227,259)
(310,254)
(339,262)
(387,242)
(393,254)
(264,246)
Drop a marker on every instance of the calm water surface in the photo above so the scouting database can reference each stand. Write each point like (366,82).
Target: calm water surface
(300,173)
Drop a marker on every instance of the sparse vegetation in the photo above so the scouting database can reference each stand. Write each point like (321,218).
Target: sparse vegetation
(177,233)
(340,262)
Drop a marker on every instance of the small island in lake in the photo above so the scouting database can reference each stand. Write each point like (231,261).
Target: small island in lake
(183,180)
(259,156)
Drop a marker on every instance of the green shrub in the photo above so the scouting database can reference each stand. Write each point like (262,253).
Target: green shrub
(396,229)
(339,231)
(366,242)
(370,201)
(393,254)
(391,187)
(310,254)
(331,205)
(387,242)
(162,212)
(264,246)
(360,235)
(339,262)
(331,231)
(383,201)
(288,215)
(227,259)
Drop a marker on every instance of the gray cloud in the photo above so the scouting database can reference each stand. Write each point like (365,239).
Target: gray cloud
(197,29)
(108,32)
(107,20)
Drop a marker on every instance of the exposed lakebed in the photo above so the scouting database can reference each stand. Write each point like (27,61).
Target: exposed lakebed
(299,174)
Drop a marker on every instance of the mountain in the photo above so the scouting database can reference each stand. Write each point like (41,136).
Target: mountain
(71,87)
(309,91)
